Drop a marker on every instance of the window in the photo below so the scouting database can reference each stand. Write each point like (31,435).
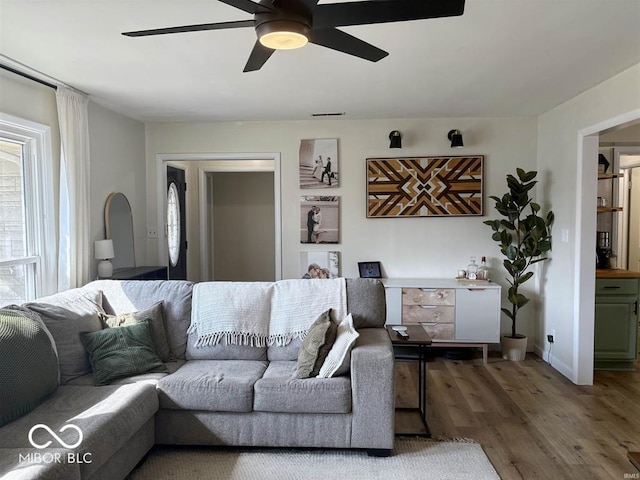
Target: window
(27,230)
(173,224)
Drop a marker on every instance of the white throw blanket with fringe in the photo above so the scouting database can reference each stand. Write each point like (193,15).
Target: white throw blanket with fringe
(261,313)
(296,304)
(232,313)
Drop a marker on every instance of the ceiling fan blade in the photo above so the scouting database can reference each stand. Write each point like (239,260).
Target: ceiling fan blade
(310,4)
(343,42)
(249,6)
(383,11)
(259,55)
(190,28)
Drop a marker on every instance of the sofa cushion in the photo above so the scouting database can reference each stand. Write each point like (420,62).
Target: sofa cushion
(121,352)
(28,365)
(316,345)
(107,417)
(211,385)
(339,358)
(156,324)
(366,302)
(124,296)
(222,351)
(279,390)
(284,352)
(66,314)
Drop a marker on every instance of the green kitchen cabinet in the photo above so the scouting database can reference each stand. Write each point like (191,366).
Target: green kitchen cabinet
(616,324)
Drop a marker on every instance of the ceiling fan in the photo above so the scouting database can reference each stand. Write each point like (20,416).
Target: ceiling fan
(288,24)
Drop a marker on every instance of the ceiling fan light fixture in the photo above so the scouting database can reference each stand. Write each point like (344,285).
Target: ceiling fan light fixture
(283,35)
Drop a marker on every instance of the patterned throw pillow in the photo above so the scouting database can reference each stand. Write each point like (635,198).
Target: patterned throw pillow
(316,345)
(121,352)
(338,360)
(28,365)
(156,323)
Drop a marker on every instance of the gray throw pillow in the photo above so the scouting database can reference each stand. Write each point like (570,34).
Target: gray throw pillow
(316,346)
(65,315)
(28,365)
(156,323)
(121,352)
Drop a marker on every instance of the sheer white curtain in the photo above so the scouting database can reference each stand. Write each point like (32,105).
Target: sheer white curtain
(74,255)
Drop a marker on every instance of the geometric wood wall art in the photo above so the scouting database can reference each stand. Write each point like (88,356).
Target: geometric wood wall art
(424,186)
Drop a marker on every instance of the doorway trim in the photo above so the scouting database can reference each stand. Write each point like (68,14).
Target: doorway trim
(584,295)
(225,162)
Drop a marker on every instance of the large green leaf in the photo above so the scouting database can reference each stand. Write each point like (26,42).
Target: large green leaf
(525,277)
(507,312)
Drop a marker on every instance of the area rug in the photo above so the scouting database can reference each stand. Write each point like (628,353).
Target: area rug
(412,459)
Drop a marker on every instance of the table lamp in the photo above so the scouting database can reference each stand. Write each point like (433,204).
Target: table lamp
(104,252)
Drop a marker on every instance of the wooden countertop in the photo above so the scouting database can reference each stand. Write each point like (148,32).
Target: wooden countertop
(616,273)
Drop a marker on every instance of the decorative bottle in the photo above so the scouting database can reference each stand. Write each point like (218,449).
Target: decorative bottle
(472,269)
(483,271)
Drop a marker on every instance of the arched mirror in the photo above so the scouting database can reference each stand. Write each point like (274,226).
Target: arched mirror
(119,228)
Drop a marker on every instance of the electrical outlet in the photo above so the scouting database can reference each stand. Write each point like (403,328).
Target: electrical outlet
(152,232)
(550,338)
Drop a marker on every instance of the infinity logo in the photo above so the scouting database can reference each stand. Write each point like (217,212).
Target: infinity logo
(60,441)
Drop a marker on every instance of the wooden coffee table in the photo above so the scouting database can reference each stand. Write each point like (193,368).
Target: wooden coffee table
(414,349)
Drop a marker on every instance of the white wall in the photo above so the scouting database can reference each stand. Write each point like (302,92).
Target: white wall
(117,165)
(569,186)
(420,247)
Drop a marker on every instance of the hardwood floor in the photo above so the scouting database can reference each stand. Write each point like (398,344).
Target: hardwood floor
(532,422)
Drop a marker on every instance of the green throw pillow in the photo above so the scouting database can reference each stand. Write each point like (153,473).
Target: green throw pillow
(28,365)
(316,346)
(156,324)
(121,352)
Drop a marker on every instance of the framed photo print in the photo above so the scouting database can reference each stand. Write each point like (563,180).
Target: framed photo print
(370,269)
(319,264)
(318,160)
(319,219)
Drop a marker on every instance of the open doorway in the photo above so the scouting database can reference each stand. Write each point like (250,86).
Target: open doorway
(628,159)
(240,238)
(201,171)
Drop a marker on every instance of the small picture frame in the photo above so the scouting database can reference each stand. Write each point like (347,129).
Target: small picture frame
(370,269)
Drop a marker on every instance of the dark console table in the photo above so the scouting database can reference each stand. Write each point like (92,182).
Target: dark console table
(414,349)
(140,273)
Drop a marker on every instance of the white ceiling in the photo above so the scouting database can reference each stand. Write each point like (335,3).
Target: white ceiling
(501,58)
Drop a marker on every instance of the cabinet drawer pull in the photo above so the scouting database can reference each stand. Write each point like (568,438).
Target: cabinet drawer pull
(429,324)
(428,289)
(476,289)
(635,308)
(428,307)
(612,287)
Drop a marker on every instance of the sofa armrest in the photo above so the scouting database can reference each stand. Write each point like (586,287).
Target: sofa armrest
(373,390)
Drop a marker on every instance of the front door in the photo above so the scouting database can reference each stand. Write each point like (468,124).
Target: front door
(176,223)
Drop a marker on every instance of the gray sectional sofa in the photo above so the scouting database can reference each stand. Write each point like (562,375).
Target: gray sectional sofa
(216,393)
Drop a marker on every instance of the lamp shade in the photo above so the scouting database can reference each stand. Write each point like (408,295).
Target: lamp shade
(456,138)
(104,249)
(396,139)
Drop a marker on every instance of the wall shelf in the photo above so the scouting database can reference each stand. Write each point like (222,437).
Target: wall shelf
(609,209)
(609,176)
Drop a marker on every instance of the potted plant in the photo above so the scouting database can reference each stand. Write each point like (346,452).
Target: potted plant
(524,237)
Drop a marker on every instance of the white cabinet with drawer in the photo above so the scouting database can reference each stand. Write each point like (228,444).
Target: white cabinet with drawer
(450,311)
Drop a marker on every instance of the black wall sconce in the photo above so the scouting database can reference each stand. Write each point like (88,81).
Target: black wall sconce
(456,138)
(396,139)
